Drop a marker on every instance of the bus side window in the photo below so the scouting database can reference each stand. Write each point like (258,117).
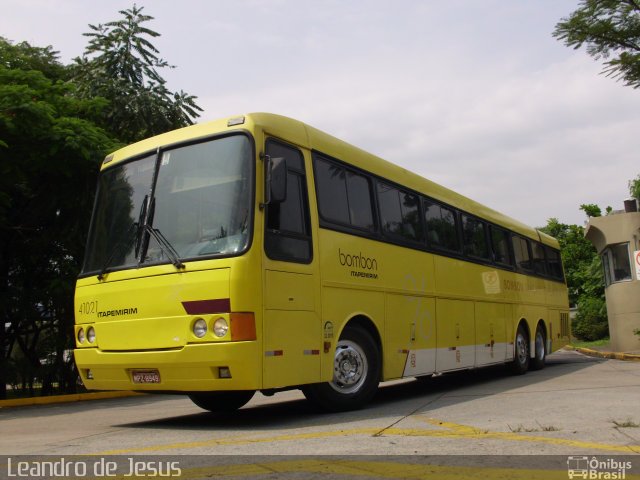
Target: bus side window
(500,246)
(441,226)
(344,196)
(288,230)
(539,261)
(521,253)
(399,213)
(554,264)
(474,237)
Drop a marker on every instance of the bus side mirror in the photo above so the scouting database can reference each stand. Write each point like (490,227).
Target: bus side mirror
(276,180)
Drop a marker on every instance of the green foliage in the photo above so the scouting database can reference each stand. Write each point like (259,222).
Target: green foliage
(578,257)
(57,123)
(591,209)
(27,57)
(50,154)
(584,276)
(610,30)
(591,320)
(634,188)
(122,65)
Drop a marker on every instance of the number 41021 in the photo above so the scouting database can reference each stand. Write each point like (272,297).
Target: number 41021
(87,308)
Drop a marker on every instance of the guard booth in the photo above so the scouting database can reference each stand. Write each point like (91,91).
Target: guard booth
(617,240)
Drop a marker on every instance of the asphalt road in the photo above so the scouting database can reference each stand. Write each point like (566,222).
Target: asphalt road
(576,406)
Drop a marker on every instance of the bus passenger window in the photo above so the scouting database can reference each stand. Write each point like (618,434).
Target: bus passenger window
(500,246)
(399,213)
(521,253)
(359,196)
(539,262)
(441,225)
(474,237)
(344,197)
(554,264)
(331,191)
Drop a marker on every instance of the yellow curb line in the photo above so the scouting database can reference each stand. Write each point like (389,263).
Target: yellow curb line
(75,397)
(597,353)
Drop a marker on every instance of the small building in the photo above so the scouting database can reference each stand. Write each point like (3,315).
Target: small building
(617,240)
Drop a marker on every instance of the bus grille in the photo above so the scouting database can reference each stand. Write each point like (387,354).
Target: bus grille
(564,324)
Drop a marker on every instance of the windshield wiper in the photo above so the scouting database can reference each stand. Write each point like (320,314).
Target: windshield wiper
(165,246)
(142,220)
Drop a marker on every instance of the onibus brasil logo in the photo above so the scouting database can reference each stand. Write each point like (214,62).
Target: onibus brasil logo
(595,468)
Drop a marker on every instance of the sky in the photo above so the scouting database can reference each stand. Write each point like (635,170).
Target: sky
(473,94)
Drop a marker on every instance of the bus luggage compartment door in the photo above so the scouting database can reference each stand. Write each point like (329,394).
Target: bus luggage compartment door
(291,330)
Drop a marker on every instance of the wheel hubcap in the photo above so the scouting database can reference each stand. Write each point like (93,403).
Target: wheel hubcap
(522,350)
(539,346)
(349,367)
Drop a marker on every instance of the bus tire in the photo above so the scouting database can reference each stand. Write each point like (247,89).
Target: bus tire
(538,361)
(521,359)
(222,401)
(355,377)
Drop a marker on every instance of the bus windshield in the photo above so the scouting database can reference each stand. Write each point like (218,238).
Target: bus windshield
(198,197)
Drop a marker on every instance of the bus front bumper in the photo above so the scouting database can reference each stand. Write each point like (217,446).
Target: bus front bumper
(192,368)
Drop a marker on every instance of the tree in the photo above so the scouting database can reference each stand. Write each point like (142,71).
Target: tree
(591,209)
(122,65)
(50,151)
(57,123)
(610,29)
(634,188)
(578,254)
(583,273)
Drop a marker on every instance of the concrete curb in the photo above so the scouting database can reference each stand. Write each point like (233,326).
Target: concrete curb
(614,355)
(75,397)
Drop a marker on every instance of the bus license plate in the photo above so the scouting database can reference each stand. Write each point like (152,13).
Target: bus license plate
(146,376)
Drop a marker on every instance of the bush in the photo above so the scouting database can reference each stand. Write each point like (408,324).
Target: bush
(634,188)
(591,322)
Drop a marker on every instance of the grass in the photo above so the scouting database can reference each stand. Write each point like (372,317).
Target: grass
(594,343)
(550,428)
(628,423)
(544,428)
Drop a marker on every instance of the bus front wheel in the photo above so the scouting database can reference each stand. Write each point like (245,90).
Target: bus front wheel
(222,401)
(356,372)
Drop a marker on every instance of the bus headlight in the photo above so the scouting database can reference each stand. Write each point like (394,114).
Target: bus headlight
(81,337)
(91,335)
(220,327)
(200,328)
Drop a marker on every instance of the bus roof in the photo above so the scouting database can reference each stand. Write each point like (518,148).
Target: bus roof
(309,137)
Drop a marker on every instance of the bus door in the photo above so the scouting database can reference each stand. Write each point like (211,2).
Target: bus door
(292,333)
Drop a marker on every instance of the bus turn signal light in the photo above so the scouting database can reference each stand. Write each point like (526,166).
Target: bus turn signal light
(243,326)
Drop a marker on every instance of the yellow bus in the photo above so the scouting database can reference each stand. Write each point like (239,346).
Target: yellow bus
(256,253)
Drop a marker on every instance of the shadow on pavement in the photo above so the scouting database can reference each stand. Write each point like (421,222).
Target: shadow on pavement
(406,397)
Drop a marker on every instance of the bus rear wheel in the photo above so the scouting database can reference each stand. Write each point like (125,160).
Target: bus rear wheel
(356,372)
(538,361)
(520,362)
(222,401)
